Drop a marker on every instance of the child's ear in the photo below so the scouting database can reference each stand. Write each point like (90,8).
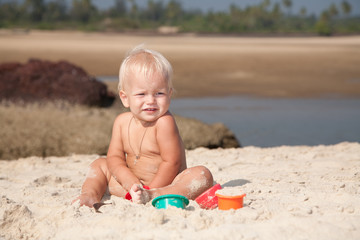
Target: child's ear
(124,98)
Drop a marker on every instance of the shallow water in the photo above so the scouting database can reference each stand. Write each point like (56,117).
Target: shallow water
(267,122)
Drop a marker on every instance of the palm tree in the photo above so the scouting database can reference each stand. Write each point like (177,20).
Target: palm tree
(83,10)
(119,8)
(346,7)
(303,12)
(134,9)
(333,11)
(287,4)
(173,11)
(34,9)
(265,3)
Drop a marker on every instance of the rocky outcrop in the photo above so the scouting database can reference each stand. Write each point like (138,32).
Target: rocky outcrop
(199,134)
(38,81)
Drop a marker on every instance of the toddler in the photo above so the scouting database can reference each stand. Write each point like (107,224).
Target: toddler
(145,148)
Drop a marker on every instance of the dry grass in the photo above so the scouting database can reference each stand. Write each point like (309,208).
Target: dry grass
(60,129)
(53,129)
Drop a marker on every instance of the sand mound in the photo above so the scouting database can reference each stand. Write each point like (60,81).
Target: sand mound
(292,193)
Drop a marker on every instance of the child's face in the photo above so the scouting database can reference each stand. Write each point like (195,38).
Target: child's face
(147,97)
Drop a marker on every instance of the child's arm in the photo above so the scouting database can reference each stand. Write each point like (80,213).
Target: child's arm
(171,150)
(116,160)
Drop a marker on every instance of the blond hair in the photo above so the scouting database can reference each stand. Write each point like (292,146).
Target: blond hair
(147,62)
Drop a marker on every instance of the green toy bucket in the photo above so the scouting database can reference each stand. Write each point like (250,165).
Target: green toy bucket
(164,201)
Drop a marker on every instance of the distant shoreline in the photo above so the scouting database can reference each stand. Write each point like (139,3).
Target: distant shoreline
(155,33)
(209,65)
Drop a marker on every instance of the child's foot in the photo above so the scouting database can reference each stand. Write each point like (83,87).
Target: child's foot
(139,194)
(86,199)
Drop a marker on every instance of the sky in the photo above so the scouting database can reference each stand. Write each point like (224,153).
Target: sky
(312,6)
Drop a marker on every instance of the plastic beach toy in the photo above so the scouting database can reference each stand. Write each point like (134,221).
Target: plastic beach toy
(230,202)
(164,201)
(208,199)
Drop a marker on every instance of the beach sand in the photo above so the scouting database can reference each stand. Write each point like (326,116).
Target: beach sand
(296,192)
(209,65)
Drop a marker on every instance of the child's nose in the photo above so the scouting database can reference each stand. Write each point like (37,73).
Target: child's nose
(150,99)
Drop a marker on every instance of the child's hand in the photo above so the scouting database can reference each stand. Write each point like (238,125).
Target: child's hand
(139,194)
(85,199)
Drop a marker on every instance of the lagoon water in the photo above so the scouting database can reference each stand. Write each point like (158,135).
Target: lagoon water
(267,122)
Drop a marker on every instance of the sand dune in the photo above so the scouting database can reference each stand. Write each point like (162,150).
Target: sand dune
(292,193)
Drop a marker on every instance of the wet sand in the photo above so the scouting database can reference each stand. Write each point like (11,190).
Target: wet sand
(210,65)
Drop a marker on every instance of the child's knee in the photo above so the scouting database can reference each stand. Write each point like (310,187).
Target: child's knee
(204,172)
(100,164)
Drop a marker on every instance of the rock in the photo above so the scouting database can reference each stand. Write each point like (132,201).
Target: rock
(199,134)
(39,80)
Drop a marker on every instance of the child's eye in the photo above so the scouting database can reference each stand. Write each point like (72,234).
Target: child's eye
(140,94)
(160,93)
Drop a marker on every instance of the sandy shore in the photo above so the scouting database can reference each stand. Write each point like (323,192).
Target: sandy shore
(210,66)
(292,193)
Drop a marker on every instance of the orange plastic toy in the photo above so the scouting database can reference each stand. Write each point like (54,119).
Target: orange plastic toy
(230,202)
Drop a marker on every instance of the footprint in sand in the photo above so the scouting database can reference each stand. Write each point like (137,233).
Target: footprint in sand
(49,180)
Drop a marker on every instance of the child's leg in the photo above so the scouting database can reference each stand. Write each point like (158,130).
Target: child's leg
(189,183)
(95,184)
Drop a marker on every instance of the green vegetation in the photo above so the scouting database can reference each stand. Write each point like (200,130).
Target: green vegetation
(126,15)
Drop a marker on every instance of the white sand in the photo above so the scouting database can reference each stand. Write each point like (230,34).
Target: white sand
(231,191)
(292,193)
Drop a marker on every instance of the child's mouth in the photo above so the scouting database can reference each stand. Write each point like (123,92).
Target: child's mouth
(150,109)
